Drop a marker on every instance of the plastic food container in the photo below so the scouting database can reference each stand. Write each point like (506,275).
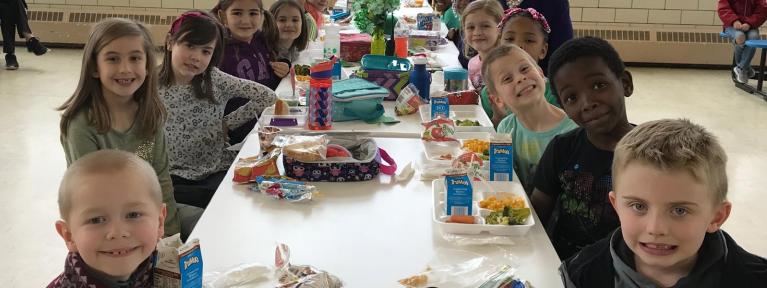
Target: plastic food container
(481,190)
(456,79)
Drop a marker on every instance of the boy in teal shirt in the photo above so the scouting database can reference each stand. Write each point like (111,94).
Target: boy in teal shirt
(515,81)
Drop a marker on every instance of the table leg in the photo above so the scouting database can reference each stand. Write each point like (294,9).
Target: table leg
(761,71)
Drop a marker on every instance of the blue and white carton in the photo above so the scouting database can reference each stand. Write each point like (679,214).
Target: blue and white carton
(501,160)
(178,265)
(460,194)
(440,106)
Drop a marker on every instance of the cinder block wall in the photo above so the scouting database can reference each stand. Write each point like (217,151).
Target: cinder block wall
(646,13)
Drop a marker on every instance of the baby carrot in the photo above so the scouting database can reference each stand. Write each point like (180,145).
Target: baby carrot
(465,219)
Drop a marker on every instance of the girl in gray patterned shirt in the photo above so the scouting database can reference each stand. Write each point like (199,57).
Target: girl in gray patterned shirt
(195,93)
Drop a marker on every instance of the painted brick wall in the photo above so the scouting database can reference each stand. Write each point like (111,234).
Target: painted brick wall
(662,13)
(128,5)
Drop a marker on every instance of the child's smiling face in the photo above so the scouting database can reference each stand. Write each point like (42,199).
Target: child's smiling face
(592,95)
(527,34)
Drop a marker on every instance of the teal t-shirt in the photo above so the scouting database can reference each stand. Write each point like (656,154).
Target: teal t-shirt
(451,19)
(530,145)
(487,106)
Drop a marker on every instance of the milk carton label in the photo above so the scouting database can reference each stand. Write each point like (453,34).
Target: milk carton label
(459,194)
(440,107)
(501,161)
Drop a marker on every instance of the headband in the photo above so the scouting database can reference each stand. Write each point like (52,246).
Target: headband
(537,16)
(177,23)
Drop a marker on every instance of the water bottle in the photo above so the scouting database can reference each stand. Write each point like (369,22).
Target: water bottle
(320,98)
(333,47)
(421,78)
(401,34)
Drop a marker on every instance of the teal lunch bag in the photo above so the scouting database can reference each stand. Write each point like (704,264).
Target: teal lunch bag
(357,99)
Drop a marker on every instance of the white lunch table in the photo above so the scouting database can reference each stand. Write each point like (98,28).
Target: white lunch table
(369,234)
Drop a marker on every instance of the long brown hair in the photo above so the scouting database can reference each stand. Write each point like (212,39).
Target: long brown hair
(195,29)
(88,96)
(269,27)
(303,39)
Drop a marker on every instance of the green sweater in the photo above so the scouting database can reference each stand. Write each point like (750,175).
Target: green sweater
(83,138)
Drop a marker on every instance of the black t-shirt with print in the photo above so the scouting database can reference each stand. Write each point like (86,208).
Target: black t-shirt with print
(578,176)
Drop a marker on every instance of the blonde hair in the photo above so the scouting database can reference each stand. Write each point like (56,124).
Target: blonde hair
(88,95)
(491,7)
(103,162)
(499,52)
(675,144)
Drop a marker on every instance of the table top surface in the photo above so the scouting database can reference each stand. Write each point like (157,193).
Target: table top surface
(369,234)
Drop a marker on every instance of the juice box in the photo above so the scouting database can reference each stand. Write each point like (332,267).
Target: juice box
(501,161)
(459,194)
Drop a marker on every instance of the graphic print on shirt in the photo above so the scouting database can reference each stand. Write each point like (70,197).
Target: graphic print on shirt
(145,150)
(586,206)
(245,69)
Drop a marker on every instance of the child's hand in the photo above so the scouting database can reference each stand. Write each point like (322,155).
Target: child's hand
(280,68)
(451,34)
(737,25)
(745,27)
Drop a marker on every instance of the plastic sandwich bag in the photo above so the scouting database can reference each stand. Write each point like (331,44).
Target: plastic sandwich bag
(243,275)
(453,268)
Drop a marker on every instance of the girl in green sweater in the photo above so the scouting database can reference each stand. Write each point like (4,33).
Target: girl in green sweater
(116,106)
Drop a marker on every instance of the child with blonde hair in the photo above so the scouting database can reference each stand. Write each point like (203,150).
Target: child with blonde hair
(670,192)
(516,81)
(478,25)
(112,216)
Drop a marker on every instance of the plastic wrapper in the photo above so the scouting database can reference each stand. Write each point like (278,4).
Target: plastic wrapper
(247,169)
(293,191)
(304,276)
(440,129)
(303,148)
(266,138)
(477,240)
(459,269)
(242,275)
(472,163)
(505,278)
(407,101)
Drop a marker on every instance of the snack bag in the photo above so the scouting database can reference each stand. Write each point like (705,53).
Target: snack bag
(178,265)
(407,101)
(294,276)
(247,169)
(472,163)
(279,188)
(459,193)
(440,129)
(505,277)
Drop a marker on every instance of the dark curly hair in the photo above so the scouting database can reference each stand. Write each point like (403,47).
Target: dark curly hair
(584,47)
